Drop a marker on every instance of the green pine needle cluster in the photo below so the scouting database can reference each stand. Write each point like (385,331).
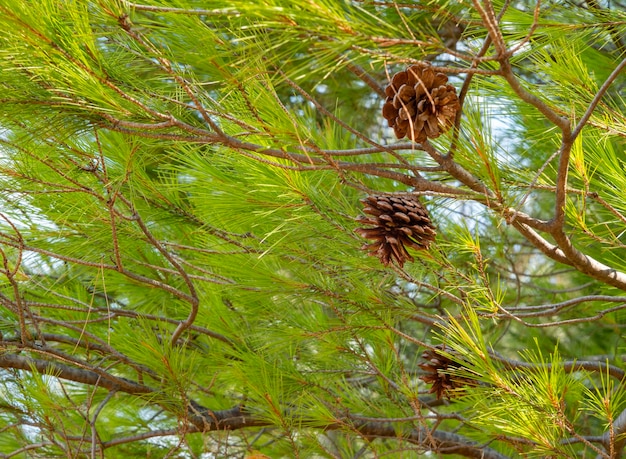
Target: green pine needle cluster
(180,276)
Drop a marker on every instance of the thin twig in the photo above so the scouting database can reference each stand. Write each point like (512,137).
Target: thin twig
(596,100)
(188,11)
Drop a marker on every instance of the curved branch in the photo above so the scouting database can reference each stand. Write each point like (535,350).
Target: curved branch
(554,308)
(587,265)
(568,366)
(72,374)
(435,441)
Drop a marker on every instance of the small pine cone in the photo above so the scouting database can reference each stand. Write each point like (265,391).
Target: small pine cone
(420,104)
(437,368)
(398,222)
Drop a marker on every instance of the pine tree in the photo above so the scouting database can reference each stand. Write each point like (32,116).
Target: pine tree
(186,188)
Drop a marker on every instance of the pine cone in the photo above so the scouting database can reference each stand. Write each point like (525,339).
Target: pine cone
(398,222)
(437,367)
(419,103)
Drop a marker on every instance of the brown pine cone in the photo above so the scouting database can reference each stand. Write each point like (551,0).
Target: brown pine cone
(419,103)
(398,222)
(437,368)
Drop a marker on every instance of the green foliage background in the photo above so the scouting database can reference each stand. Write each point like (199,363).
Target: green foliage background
(179,185)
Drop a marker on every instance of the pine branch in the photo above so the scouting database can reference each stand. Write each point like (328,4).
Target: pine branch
(566,252)
(436,441)
(60,370)
(596,100)
(568,366)
(185,11)
(235,418)
(178,217)
(614,439)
